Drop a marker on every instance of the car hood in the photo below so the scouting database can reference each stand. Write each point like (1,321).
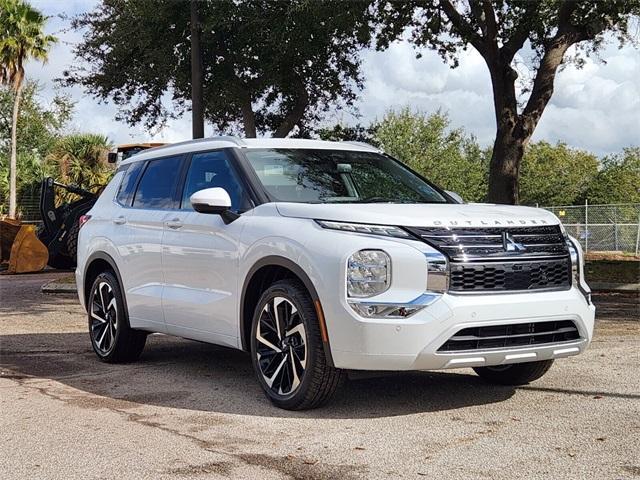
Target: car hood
(422,215)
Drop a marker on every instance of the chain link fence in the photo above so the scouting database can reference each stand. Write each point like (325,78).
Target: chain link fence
(603,228)
(28,205)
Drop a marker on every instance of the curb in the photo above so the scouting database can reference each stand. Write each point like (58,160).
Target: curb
(55,287)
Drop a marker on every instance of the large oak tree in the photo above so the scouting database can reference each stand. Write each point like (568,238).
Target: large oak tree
(267,66)
(499,30)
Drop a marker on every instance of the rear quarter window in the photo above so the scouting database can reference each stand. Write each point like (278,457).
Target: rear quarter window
(128,184)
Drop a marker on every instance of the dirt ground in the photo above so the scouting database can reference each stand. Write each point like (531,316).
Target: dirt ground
(191,410)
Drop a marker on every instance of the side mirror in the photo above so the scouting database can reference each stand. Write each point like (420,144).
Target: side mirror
(112,157)
(455,196)
(213,200)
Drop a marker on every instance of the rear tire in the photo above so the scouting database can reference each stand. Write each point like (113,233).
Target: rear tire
(72,242)
(112,339)
(514,374)
(287,350)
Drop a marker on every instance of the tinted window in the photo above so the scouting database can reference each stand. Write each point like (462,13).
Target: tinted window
(213,169)
(338,176)
(128,185)
(157,185)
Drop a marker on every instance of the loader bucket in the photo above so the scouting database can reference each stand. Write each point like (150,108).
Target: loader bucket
(20,247)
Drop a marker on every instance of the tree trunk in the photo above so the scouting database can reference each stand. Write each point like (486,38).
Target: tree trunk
(248,119)
(508,147)
(13,165)
(197,102)
(504,168)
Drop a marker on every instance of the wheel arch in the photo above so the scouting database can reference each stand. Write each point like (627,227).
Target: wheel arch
(97,263)
(262,274)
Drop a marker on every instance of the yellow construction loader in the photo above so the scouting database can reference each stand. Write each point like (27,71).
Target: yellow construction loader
(24,249)
(20,248)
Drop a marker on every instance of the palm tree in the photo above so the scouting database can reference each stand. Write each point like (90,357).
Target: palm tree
(81,159)
(22,38)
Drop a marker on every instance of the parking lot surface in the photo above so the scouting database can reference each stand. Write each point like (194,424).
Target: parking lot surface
(191,410)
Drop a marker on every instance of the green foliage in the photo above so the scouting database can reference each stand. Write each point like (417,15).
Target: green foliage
(555,174)
(39,128)
(618,180)
(357,133)
(448,157)
(22,37)
(282,63)
(44,150)
(548,33)
(447,26)
(81,159)
(39,125)
(549,175)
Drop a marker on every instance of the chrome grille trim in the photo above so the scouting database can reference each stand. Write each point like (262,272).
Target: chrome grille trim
(476,243)
(539,252)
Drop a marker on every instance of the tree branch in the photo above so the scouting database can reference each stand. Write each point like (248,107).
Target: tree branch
(542,89)
(521,33)
(490,21)
(295,114)
(459,22)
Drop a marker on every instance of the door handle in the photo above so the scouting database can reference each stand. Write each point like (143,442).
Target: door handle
(174,224)
(120,220)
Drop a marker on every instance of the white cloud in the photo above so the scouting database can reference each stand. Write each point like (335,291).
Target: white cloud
(596,108)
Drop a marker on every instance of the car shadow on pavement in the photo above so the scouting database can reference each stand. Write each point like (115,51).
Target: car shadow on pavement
(182,374)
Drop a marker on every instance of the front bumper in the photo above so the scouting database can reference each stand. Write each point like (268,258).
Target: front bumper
(412,343)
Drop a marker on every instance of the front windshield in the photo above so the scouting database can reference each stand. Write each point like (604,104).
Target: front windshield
(338,176)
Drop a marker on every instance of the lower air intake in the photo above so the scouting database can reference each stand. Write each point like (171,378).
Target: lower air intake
(509,336)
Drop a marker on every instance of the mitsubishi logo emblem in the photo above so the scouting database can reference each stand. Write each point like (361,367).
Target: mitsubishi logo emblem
(510,245)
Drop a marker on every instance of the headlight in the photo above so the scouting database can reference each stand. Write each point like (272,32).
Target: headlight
(368,273)
(384,230)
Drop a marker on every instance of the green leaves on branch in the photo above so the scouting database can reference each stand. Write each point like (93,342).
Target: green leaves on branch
(81,159)
(451,158)
(268,66)
(39,128)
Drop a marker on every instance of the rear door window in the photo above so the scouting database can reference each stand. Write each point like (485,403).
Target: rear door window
(158,184)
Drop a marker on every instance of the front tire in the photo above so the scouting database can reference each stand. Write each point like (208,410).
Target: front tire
(287,350)
(112,339)
(514,374)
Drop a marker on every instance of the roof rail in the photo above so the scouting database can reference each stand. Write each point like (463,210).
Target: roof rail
(363,144)
(221,138)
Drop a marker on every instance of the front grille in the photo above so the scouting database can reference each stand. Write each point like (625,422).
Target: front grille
(499,276)
(502,259)
(509,336)
(464,244)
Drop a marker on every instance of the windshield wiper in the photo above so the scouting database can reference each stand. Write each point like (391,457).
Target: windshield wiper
(377,200)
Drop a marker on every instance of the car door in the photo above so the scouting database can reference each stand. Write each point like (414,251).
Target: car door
(140,226)
(200,255)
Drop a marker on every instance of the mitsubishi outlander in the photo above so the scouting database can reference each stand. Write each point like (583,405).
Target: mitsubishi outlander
(322,257)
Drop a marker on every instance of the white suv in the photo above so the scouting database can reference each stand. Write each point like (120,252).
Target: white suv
(323,257)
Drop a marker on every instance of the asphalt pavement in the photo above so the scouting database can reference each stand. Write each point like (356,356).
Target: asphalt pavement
(191,410)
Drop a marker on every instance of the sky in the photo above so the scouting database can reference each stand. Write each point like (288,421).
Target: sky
(596,108)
